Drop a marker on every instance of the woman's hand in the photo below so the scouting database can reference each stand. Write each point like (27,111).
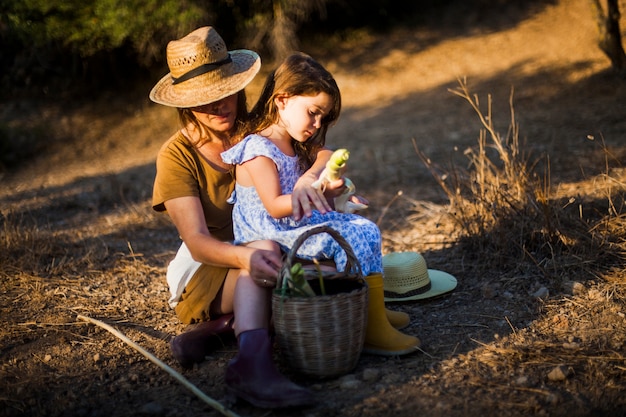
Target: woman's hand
(264,267)
(264,262)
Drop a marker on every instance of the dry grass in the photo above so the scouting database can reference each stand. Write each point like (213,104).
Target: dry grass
(504,219)
(508,213)
(569,361)
(78,236)
(504,222)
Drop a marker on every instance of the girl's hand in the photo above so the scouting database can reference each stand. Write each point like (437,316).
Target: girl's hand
(334,188)
(305,198)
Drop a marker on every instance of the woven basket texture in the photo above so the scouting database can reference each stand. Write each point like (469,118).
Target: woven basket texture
(323,335)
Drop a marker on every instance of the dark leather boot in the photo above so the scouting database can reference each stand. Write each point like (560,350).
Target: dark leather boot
(194,344)
(253,376)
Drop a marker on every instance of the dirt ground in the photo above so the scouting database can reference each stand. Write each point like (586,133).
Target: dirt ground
(81,239)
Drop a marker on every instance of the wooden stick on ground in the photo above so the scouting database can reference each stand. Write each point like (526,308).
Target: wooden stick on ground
(213,403)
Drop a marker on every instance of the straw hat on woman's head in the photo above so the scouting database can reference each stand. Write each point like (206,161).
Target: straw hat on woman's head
(203,71)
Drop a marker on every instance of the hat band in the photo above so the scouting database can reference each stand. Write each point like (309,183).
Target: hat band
(411,293)
(202,69)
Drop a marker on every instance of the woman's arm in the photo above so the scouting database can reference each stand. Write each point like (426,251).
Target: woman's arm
(188,217)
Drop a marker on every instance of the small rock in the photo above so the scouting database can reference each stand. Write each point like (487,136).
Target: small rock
(349,382)
(443,406)
(560,373)
(542,293)
(521,381)
(573,288)
(151,409)
(370,374)
(47,358)
(553,399)
(594,294)
(489,292)
(97,358)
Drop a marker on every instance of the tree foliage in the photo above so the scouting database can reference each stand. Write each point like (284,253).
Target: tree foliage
(62,43)
(71,46)
(93,26)
(88,39)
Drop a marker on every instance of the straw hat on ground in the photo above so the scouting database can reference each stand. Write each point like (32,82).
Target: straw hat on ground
(407,278)
(203,71)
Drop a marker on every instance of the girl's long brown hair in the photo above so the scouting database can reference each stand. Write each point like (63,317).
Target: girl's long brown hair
(298,75)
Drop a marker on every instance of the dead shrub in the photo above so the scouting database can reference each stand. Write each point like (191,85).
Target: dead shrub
(509,216)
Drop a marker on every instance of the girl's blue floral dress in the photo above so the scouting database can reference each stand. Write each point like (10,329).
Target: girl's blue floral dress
(251,221)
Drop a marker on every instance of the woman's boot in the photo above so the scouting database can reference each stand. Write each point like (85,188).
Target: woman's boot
(194,344)
(381,338)
(397,319)
(253,376)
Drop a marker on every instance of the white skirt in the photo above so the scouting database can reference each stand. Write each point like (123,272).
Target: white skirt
(179,272)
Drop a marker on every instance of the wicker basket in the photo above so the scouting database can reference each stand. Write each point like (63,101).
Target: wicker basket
(323,335)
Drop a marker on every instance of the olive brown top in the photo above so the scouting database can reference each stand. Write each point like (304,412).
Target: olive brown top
(183,172)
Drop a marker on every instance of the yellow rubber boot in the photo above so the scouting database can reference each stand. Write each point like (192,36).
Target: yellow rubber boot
(397,319)
(381,338)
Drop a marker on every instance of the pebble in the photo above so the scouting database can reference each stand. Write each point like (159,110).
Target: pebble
(542,293)
(573,287)
(489,292)
(560,373)
(370,374)
(594,294)
(553,399)
(349,382)
(521,381)
(152,409)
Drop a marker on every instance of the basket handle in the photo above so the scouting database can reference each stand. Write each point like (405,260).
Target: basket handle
(352,265)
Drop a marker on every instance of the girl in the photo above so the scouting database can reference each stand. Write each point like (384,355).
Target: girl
(299,101)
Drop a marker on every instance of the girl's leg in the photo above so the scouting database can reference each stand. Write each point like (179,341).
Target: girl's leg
(381,338)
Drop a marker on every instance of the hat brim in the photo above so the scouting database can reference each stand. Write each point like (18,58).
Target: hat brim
(440,283)
(197,92)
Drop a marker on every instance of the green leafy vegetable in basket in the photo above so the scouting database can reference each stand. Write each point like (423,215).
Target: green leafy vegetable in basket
(296,284)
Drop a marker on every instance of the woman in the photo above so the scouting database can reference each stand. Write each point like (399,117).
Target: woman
(211,280)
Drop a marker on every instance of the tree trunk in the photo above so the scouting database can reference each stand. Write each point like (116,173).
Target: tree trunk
(609,36)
